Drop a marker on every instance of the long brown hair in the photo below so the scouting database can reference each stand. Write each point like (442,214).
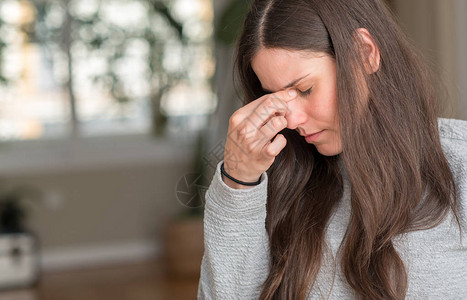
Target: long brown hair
(400,179)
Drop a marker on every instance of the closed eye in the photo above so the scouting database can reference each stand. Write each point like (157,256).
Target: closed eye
(305,93)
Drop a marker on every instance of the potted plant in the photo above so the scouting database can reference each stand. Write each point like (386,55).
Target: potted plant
(19,250)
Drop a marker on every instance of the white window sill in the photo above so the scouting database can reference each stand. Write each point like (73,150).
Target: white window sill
(59,156)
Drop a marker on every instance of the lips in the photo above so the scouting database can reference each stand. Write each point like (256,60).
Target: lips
(312,137)
(306,134)
(312,133)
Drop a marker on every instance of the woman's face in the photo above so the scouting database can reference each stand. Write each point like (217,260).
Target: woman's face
(314,110)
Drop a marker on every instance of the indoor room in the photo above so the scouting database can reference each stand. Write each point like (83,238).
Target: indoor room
(114,116)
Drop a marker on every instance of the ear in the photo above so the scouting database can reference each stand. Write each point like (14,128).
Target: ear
(370,51)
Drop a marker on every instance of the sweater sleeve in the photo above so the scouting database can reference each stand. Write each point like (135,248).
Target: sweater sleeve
(236,251)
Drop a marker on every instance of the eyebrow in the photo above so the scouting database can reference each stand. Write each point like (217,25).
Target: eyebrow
(290,84)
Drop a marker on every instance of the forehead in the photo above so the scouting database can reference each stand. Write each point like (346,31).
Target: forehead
(276,68)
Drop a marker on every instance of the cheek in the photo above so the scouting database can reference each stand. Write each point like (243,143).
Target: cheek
(323,104)
(330,96)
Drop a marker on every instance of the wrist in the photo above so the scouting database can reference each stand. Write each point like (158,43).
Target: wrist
(236,182)
(232,184)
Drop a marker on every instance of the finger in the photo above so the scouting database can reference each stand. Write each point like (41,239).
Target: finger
(270,107)
(282,96)
(271,128)
(257,113)
(256,140)
(276,146)
(286,95)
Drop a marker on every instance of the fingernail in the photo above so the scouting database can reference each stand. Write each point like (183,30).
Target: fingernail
(292,93)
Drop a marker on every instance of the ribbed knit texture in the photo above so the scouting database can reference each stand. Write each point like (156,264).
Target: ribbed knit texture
(236,255)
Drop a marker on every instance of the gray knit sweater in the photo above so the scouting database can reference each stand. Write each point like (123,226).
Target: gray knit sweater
(236,256)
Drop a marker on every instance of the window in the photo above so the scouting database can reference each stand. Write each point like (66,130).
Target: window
(104,67)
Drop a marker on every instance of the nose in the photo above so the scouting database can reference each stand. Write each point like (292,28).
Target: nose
(295,115)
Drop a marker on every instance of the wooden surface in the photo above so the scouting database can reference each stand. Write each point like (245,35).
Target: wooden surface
(142,281)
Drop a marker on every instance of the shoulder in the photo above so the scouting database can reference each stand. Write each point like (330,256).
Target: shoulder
(453,129)
(453,137)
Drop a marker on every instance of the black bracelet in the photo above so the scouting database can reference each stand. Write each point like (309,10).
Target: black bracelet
(239,181)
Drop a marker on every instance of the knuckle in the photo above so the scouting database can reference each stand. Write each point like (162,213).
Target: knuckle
(283,121)
(242,133)
(274,96)
(276,102)
(268,102)
(270,152)
(277,123)
(235,119)
(250,147)
(283,106)
(279,106)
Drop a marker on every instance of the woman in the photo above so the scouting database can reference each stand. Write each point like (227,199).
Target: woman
(338,180)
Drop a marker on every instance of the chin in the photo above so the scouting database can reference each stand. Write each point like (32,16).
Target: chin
(328,150)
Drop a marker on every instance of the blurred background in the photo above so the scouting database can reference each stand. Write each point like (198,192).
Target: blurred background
(113,115)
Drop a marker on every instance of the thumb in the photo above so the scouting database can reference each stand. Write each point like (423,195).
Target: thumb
(287,95)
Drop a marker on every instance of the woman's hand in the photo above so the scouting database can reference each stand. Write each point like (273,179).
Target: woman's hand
(249,150)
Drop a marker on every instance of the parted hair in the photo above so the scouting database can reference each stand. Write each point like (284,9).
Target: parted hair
(391,153)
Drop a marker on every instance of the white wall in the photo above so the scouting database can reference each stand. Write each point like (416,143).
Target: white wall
(438,29)
(106,202)
(461,39)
